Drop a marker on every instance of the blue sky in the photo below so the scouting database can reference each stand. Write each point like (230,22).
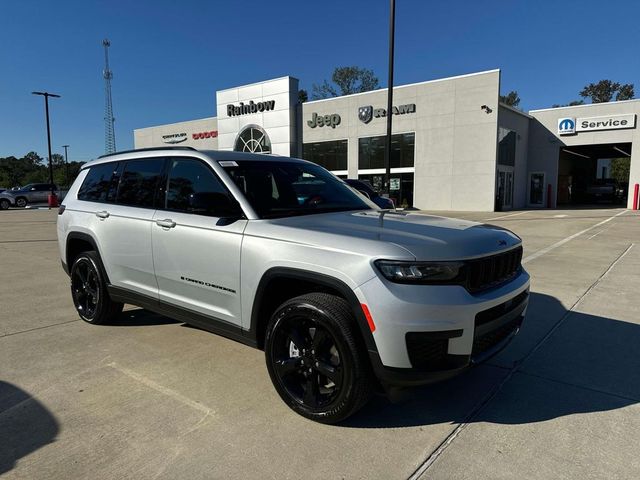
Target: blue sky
(170,57)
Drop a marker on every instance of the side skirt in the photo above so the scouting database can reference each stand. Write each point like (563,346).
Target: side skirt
(205,322)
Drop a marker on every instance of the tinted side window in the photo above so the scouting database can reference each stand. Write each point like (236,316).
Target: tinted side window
(139,182)
(97,182)
(194,188)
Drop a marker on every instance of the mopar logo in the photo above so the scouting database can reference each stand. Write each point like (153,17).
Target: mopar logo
(566,126)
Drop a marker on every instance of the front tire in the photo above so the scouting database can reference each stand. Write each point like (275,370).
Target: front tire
(4,204)
(315,359)
(89,290)
(21,202)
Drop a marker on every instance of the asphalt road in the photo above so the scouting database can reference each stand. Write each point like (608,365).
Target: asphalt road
(152,398)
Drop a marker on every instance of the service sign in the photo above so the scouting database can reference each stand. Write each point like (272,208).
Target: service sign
(570,125)
(612,122)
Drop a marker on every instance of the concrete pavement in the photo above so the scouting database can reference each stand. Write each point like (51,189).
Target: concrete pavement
(152,398)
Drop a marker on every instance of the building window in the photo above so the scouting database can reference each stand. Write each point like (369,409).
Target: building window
(253,139)
(506,147)
(330,155)
(401,187)
(371,151)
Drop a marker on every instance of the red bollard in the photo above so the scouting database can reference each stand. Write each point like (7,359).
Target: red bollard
(634,205)
(549,196)
(52,200)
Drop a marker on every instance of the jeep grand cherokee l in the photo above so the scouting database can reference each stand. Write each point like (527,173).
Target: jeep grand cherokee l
(281,255)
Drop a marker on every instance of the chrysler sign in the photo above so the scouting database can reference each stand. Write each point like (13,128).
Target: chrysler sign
(174,137)
(570,125)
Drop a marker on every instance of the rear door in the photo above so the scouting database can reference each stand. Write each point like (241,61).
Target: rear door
(197,237)
(123,227)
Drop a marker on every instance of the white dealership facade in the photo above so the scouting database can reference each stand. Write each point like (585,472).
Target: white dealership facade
(454,145)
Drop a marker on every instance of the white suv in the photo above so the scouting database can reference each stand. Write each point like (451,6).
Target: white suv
(279,254)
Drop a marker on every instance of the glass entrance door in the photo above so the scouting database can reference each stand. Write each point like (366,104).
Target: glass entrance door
(505,188)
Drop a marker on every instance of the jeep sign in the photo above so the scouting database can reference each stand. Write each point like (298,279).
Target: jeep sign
(324,120)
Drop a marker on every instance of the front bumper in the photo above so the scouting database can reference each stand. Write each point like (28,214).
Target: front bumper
(429,333)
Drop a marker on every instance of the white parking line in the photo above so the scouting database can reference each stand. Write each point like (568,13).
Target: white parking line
(162,389)
(506,216)
(546,250)
(598,233)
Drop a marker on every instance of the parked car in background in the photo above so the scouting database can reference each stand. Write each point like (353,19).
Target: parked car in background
(367,190)
(6,200)
(605,190)
(32,193)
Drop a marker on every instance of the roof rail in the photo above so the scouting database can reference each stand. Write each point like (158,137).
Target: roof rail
(149,149)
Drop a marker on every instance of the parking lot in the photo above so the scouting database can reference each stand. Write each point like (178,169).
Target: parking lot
(153,398)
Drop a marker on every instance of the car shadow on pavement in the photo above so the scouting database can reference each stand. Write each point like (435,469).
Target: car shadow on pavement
(25,425)
(589,364)
(139,317)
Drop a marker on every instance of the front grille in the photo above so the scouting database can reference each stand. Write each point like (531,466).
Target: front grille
(428,350)
(490,339)
(489,272)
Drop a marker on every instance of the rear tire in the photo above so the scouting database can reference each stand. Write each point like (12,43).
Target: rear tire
(21,202)
(89,290)
(4,204)
(315,360)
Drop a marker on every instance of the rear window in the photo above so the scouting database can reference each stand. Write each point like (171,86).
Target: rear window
(96,185)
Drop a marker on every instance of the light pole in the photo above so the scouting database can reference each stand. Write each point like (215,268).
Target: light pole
(66,166)
(387,146)
(46,96)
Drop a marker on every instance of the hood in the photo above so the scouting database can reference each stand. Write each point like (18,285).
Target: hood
(425,237)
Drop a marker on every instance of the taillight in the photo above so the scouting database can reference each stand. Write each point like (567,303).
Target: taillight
(61,209)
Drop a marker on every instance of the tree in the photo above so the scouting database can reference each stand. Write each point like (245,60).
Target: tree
(604,90)
(346,80)
(625,92)
(620,169)
(303,96)
(31,169)
(512,99)
(57,159)
(573,103)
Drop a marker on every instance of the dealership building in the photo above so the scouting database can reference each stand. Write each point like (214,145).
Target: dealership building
(454,145)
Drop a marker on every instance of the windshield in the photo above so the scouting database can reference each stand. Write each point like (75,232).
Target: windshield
(283,189)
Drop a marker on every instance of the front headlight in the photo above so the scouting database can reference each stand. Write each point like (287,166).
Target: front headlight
(443,273)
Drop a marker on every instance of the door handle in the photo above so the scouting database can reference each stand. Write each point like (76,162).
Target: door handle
(102,214)
(166,223)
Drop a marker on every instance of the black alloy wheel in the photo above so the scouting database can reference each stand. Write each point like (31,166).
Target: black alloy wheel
(89,292)
(21,202)
(315,360)
(4,204)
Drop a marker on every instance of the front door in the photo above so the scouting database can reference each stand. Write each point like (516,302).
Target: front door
(197,237)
